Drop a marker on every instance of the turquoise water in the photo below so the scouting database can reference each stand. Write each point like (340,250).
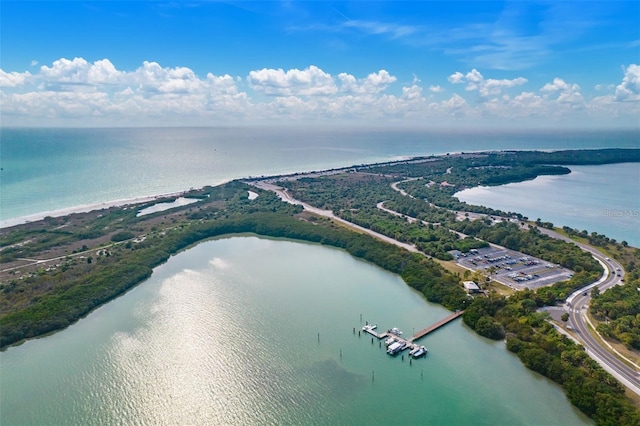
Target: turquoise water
(160,207)
(604,199)
(246,331)
(50,169)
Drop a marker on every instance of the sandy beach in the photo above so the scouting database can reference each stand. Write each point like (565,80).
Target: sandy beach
(86,208)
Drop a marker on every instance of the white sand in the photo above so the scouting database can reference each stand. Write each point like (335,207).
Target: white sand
(84,209)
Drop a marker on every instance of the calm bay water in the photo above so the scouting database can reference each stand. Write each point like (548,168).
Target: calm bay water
(604,199)
(227,333)
(50,169)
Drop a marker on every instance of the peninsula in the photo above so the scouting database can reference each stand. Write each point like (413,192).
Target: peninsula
(56,270)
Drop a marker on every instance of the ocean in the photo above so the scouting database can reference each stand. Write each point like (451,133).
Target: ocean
(47,170)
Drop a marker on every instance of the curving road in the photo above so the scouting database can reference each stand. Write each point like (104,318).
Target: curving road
(286,197)
(577,306)
(577,303)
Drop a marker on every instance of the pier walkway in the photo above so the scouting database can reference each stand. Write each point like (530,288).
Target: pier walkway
(395,334)
(370,328)
(420,334)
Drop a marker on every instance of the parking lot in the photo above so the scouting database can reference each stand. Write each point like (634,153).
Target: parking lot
(512,268)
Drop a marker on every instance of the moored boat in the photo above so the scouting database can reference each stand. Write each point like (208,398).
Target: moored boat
(396,347)
(396,331)
(419,352)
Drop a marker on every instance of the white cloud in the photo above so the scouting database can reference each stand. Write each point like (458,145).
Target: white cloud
(412,93)
(485,87)
(629,89)
(13,79)
(600,87)
(566,93)
(474,79)
(222,84)
(372,84)
(153,78)
(559,85)
(455,102)
(78,92)
(528,100)
(126,92)
(494,87)
(56,104)
(309,82)
(608,106)
(80,72)
(571,98)
(456,78)
(103,72)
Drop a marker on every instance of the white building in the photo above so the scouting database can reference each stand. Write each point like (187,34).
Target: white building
(471,287)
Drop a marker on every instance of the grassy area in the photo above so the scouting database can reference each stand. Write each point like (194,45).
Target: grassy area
(453,267)
(630,354)
(465,274)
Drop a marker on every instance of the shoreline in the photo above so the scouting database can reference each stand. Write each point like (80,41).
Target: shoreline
(85,208)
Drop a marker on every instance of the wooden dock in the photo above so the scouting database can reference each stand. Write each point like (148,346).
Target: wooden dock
(420,334)
(407,343)
(370,328)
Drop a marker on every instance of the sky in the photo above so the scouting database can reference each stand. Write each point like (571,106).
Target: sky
(508,64)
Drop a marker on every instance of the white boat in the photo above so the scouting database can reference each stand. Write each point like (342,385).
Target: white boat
(389,341)
(396,331)
(422,351)
(396,347)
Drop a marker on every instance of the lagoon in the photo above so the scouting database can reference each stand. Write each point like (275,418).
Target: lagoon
(248,330)
(160,207)
(603,199)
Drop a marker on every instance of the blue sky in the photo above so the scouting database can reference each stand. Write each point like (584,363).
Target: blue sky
(418,63)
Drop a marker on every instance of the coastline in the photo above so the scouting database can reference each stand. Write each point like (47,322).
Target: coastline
(8,223)
(398,159)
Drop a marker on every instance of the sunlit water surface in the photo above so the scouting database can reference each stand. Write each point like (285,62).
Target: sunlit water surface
(245,331)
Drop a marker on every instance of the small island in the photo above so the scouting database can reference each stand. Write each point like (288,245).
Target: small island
(57,270)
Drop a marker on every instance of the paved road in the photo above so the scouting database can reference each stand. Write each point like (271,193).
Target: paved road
(578,305)
(285,196)
(578,302)
(402,191)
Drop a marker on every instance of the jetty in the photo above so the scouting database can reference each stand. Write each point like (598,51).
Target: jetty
(396,343)
(370,328)
(420,334)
